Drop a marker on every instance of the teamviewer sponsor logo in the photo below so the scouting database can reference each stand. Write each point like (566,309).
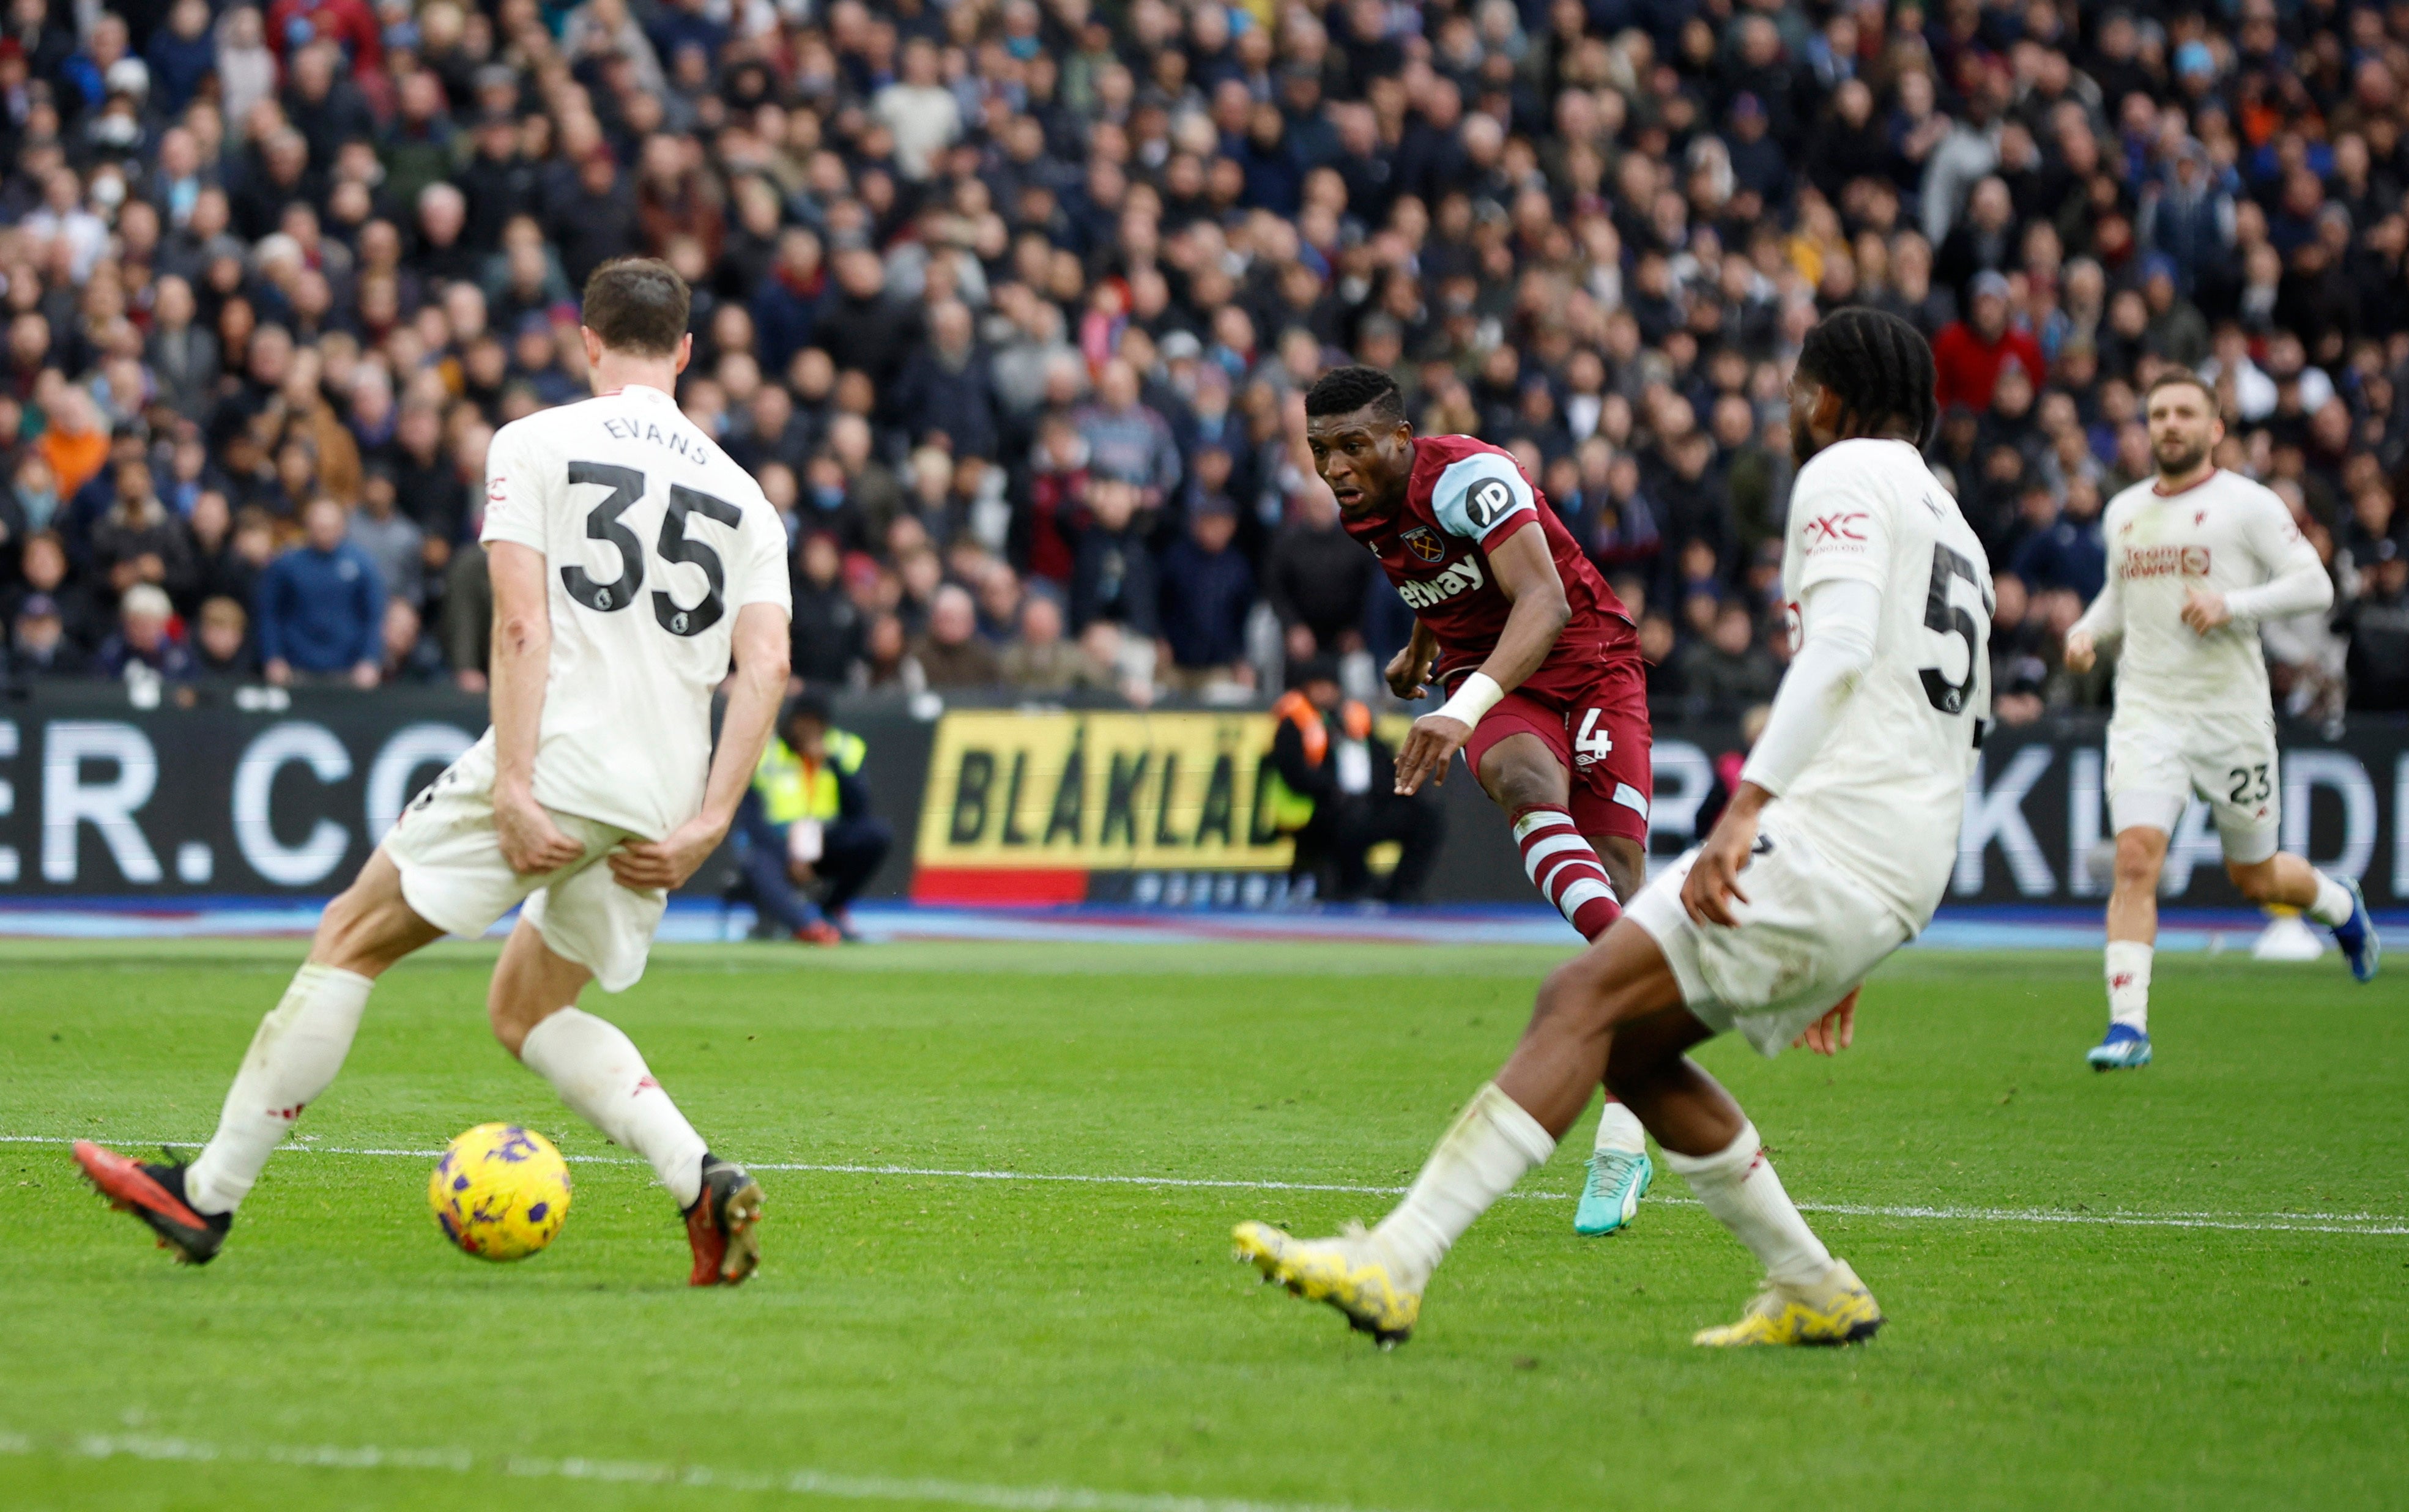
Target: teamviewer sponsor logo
(2166,561)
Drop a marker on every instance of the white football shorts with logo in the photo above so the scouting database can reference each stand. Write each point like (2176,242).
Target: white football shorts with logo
(1805,938)
(452,875)
(2155,763)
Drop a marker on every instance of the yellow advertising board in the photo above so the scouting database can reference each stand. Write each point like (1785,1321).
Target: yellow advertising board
(1063,791)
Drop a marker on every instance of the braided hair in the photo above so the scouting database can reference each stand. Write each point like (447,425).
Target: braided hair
(1879,366)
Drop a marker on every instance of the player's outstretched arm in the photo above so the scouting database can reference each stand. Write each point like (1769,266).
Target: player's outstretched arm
(1838,621)
(760,645)
(1526,574)
(522,663)
(2104,620)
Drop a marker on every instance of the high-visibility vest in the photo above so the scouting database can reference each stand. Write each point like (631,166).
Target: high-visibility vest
(1289,809)
(792,788)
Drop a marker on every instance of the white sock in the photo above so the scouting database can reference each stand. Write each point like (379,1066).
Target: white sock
(292,1059)
(2128,984)
(1618,1130)
(601,1076)
(1738,1185)
(2332,906)
(1488,1148)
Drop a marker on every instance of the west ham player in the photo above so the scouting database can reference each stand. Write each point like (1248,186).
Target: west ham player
(1550,702)
(1833,853)
(2195,558)
(630,558)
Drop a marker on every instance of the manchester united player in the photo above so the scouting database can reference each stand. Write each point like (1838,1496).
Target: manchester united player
(1547,701)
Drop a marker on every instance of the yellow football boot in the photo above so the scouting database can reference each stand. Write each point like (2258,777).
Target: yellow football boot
(1836,1310)
(1349,1272)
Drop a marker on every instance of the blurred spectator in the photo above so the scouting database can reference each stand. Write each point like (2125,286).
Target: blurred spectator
(39,645)
(43,572)
(1728,670)
(944,390)
(1968,354)
(826,624)
(143,638)
(405,653)
(2070,552)
(2377,622)
(138,540)
(222,645)
(468,617)
(1039,660)
(391,540)
(1317,577)
(1127,441)
(950,653)
(1207,594)
(320,609)
(887,664)
(1113,573)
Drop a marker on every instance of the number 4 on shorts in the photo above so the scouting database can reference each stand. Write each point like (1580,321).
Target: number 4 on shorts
(1595,742)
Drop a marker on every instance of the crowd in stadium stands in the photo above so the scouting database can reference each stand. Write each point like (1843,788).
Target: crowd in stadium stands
(1008,303)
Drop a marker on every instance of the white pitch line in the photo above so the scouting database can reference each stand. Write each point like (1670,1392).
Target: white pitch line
(2355,1223)
(832,1484)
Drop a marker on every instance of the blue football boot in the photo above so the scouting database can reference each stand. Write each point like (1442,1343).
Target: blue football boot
(2125,1048)
(1611,1195)
(2357,935)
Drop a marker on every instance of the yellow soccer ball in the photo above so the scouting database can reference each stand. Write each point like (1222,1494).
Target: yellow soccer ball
(499,1193)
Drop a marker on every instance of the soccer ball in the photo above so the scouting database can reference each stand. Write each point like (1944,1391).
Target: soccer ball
(499,1193)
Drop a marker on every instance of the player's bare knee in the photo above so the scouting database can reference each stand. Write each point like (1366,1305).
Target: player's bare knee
(1516,778)
(1626,867)
(2136,863)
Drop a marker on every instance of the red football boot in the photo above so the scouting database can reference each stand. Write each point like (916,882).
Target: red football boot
(156,1194)
(721,1223)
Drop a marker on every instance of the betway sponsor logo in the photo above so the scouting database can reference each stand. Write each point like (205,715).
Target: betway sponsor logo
(1463,577)
(2166,561)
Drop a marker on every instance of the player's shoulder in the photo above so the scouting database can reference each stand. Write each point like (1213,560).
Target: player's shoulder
(1862,460)
(1433,455)
(2130,497)
(2233,487)
(1439,453)
(1885,480)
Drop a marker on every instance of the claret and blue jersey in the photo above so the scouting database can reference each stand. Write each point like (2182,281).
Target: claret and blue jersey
(1464,496)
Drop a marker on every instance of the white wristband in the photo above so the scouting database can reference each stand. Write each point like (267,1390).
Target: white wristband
(1477,694)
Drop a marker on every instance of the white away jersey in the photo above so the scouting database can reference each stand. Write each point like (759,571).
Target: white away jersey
(2224,534)
(1883,795)
(652,540)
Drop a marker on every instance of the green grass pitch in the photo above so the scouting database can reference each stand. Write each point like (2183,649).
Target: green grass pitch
(941,1341)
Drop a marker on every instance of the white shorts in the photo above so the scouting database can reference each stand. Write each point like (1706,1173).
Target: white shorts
(452,875)
(1806,936)
(2155,764)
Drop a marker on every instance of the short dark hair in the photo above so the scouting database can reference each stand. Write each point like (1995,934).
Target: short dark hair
(1879,365)
(1342,391)
(2171,375)
(637,305)
(808,704)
